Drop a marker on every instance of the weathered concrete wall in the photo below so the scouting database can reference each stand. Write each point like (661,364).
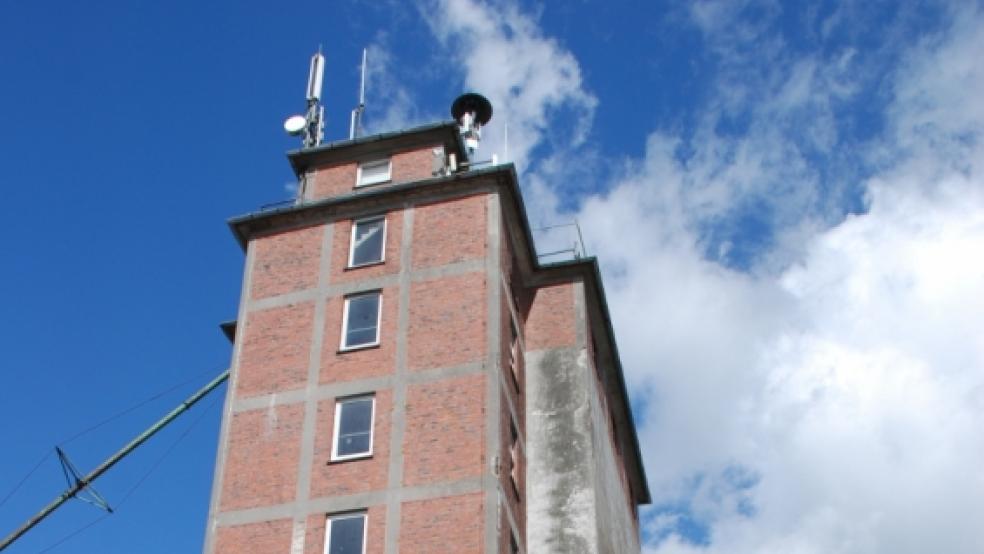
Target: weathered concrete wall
(560,487)
(617,532)
(577,497)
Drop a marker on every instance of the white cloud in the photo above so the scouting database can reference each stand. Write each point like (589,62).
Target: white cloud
(526,76)
(390,105)
(848,385)
(829,397)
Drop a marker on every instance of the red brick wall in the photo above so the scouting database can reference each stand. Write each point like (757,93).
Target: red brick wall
(266,536)
(413,165)
(331,181)
(351,476)
(261,464)
(276,344)
(444,438)
(551,322)
(447,321)
(452,524)
(445,421)
(341,245)
(374,361)
(286,262)
(410,165)
(450,231)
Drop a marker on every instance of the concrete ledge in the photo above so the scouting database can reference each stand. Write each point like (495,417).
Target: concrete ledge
(348,502)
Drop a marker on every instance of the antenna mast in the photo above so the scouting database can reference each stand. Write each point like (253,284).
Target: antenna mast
(312,123)
(355,126)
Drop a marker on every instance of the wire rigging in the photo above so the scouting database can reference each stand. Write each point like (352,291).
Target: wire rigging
(109,419)
(26,477)
(191,426)
(136,406)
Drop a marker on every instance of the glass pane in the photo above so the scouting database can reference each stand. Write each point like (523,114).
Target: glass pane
(356,416)
(355,427)
(367,247)
(346,535)
(363,316)
(375,172)
(351,445)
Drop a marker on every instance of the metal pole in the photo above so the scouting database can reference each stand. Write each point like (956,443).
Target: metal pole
(111,461)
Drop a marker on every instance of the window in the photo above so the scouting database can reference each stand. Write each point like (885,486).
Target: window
(353,428)
(368,241)
(514,352)
(360,322)
(372,173)
(514,457)
(345,534)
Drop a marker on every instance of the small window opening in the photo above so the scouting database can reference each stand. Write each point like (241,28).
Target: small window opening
(373,173)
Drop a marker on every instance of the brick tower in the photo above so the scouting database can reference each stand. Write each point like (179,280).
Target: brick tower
(407,377)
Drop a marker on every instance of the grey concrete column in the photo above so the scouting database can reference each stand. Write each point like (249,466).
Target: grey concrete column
(223,448)
(398,419)
(493,330)
(309,428)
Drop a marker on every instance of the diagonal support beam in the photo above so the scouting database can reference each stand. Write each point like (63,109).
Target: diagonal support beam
(84,482)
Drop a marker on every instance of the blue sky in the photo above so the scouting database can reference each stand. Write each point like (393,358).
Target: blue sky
(787,201)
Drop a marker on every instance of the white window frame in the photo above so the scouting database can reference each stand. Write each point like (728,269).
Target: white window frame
(374,163)
(338,420)
(348,515)
(382,254)
(379,321)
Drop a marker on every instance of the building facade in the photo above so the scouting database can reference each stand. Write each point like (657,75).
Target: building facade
(406,377)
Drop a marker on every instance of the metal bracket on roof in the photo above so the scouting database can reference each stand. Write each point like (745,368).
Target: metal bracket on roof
(74,477)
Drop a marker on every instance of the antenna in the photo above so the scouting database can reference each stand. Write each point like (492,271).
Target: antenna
(505,141)
(355,126)
(315,76)
(312,124)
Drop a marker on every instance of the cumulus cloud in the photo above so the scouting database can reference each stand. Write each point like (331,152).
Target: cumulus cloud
(390,104)
(798,306)
(528,77)
(831,402)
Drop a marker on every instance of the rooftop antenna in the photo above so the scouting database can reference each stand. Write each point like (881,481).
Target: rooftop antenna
(312,124)
(471,110)
(505,141)
(355,127)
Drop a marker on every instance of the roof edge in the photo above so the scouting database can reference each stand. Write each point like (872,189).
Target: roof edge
(445,132)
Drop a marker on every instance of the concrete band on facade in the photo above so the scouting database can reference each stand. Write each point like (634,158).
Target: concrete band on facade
(399,386)
(306,457)
(348,503)
(326,391)
(493,493)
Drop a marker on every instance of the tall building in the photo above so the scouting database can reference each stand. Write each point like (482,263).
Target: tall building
(408,377)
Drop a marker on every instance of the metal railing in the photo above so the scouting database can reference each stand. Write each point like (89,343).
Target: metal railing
(558,249)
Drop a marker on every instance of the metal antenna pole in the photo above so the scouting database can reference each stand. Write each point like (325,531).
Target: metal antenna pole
(355,126)
(84,482)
